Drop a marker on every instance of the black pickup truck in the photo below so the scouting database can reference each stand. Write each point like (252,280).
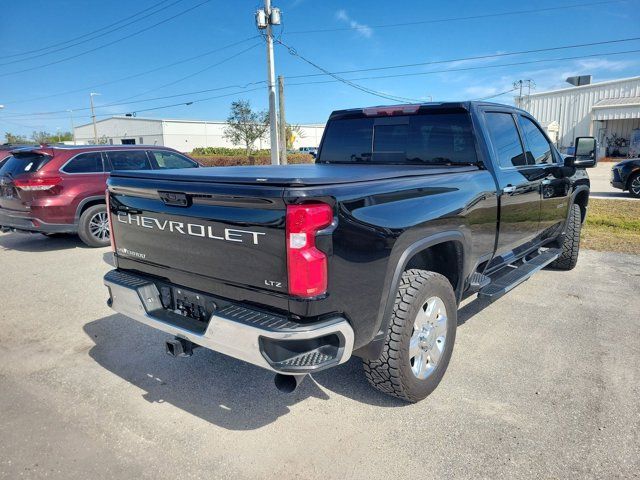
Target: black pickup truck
(407,210)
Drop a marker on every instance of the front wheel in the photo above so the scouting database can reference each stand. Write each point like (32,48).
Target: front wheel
(571,244)
(634,186)
(93,228)
(420,338)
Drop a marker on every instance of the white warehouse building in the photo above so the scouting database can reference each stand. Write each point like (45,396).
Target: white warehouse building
(609,111)
(182,135)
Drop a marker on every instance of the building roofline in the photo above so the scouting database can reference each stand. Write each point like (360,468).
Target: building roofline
(177,120)
(597,84)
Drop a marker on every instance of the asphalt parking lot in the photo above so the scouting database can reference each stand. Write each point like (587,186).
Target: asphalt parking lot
(543,383)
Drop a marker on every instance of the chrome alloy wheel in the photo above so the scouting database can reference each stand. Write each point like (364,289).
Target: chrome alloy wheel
(99,226)
(635,186)
(428,338)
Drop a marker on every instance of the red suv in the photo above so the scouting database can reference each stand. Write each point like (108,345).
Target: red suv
(61,189)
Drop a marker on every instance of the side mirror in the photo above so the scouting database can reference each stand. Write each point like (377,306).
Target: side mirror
(585,153)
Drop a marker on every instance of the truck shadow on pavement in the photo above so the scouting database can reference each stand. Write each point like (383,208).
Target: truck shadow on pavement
(221,390)
(36,242)
(226,392)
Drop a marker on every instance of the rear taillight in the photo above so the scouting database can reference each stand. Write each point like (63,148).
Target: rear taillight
(36,183)
(113,242)
(306,264)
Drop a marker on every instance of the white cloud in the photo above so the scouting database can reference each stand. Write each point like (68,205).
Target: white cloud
(361,28)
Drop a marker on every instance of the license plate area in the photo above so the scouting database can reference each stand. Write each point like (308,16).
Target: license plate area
(187,303)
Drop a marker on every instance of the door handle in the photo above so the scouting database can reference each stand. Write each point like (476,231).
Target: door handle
(509,189)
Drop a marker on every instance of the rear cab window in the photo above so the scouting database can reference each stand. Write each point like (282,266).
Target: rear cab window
(23,162)
(439,137)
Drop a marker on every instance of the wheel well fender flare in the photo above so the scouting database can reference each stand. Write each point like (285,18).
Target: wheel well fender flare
(583,207)
(395,270)
(632,173)
(89,201)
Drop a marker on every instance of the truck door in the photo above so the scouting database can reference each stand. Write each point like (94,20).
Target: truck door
(554,184)
(519,182)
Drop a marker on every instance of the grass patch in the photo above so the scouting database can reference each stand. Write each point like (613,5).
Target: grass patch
(612,225)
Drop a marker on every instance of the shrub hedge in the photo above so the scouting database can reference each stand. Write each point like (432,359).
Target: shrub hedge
(226,152)
(235,160)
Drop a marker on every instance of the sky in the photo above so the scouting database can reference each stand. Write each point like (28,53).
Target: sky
(134,53)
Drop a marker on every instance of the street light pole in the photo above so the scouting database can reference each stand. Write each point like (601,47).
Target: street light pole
(73,129)
(265,19)
(93,116)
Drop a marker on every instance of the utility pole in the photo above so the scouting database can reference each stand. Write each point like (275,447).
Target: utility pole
(265,19)
(283,121)
(73,129)
(93,116)
(518,85)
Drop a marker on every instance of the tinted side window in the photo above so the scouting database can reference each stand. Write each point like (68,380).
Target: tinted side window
(539,150)
(505,139)
(85,163)
(129,160)
(163,159)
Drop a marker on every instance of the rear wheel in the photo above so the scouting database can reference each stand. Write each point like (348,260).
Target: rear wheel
(93,228)
(571,244)
(419,342)
(634,185)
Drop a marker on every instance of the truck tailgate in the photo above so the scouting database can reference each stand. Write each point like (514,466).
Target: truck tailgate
(233,234)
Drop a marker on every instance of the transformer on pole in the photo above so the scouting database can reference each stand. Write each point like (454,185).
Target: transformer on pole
(265,19)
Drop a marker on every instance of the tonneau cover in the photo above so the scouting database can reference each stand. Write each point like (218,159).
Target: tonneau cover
(293,175)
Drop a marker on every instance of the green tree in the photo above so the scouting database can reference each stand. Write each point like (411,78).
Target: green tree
(11,138)
(245,126)
(46,137)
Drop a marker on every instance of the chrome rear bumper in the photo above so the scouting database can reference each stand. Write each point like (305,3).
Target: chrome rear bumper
(269,341)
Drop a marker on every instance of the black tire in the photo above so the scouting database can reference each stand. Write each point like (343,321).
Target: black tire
(634,182)
(571,244)
(392,372)
(86,227)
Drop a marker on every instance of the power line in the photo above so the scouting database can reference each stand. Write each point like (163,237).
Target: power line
(477,57)
(479,67)
(107,44)
(181,79)
(135,75)
(389,97)
(494,95)
(370,91)
(89,34)
(188,103)
(453,19)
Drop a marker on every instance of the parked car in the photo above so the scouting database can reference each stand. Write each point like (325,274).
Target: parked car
(368,252)
(59,189)
(626,176)
(313,151)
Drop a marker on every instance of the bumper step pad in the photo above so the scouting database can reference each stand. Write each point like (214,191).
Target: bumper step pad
(259,337)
